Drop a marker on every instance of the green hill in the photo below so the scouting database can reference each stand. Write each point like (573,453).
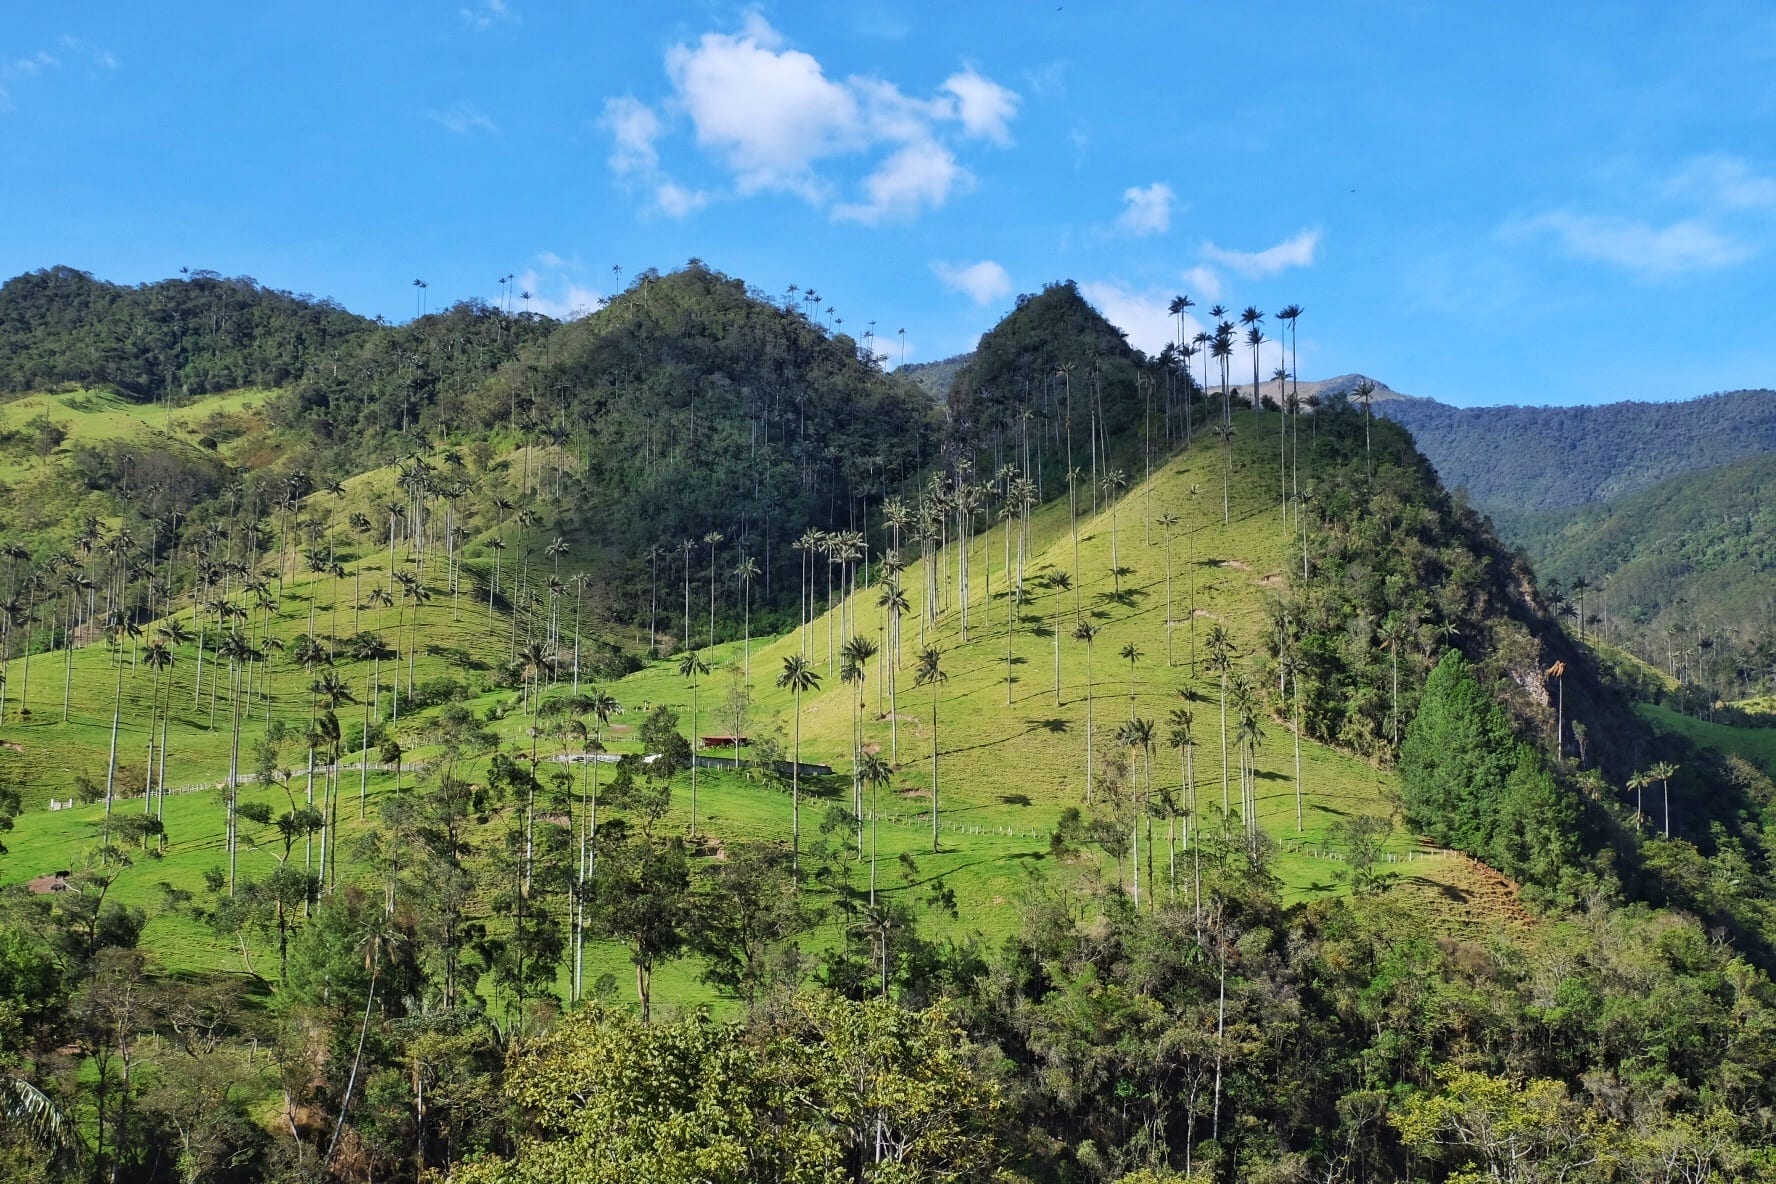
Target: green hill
(1012,753)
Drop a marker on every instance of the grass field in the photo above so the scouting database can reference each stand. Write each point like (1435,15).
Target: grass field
(1011,750)
(96,416)
(1757,745)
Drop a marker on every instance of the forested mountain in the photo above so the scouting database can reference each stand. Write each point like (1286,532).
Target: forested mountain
(1683,571)
(1544,458)
(1654,509)
(171,339)
(685,407)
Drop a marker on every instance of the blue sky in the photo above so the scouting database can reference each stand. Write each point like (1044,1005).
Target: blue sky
(1482,203)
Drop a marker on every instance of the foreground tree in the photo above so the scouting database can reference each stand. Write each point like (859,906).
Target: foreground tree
(833,1090)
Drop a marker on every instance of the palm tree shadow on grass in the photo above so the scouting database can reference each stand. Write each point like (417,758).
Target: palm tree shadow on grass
(1047,725)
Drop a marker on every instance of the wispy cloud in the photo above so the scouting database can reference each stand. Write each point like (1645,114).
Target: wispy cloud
(983,282)
(1724,182)
(1147,209)
(463,118)
(633,128)
(486,14)
(1291,252)
(1688,244)
(28,68)
(93,55)
(675,201)
(1203,284)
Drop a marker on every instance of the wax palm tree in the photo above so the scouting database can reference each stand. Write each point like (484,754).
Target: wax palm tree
(1557,672)
(857,653)
(1293,668)
(1288,316)
(746,571)
(1168,522)
(238,652)
(1114,483)
(1249,737)
(1638,782)
(1131,653)
(601,705)
(1137,736)
(1181,735)
(714,539)
(1225,434)
(1221,349)
(1220,648)
(157,655)
(1087,632)
(419,594)
(798,676)
(876,772)
(1663,772)
(1254,339)
(893,598)
(1365,394)
(497,545)
(114,650)
(930,673)
(690,665)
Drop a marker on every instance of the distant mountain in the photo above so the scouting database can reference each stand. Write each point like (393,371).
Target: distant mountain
(1698,550)
(1544,458)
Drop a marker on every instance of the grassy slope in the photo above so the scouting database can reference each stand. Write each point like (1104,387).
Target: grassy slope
(1757,745)
(993,756)
(97,416)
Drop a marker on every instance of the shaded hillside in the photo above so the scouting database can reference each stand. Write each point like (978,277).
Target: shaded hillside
(1542,458)
(1052,386)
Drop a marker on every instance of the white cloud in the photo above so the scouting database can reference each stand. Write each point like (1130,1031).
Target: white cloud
(917,176)
(983,282)
(675,201)
(556,295)
(1147,209)
(1686,245)
(769,114)
(1291,252)
(1722,181)
(1142,316)
(633,127)
(985,108)
(776,122)
(462,118)
(488,13)
(1203,284)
